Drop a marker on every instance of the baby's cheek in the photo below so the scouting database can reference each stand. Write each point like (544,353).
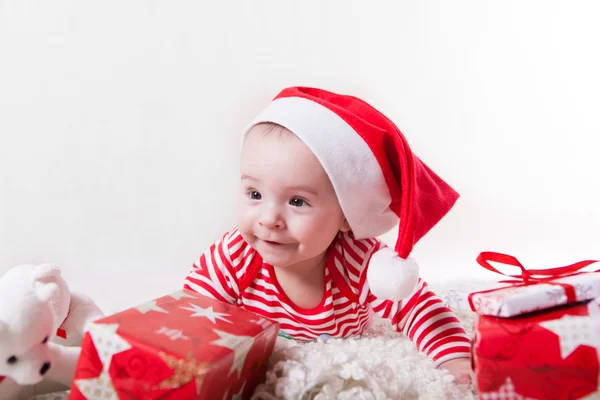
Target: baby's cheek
(244,220)
(318,235)
(240,215)
(246,233)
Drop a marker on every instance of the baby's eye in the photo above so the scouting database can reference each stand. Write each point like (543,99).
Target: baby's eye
(254,195)
(297,202)
(45,340)
(12,360)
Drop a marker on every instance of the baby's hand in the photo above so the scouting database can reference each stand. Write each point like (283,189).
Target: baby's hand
(460,368)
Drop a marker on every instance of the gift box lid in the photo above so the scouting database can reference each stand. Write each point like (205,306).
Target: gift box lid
(533,290)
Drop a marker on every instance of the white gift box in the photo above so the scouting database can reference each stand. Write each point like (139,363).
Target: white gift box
(520,298)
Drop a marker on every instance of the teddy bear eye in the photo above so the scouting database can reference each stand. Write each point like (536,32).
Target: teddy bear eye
(11,360)
(45,340)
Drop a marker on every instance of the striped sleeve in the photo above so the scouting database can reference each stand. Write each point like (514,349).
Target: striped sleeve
(215,274)
(423,317)
(430,324)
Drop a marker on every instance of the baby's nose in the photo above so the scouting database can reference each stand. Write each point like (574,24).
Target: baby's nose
(271,219)
(44,368)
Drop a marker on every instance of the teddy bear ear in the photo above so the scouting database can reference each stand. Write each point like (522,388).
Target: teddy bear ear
(46,291)
(46,272)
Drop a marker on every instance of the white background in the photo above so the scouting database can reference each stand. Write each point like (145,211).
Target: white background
(120,123)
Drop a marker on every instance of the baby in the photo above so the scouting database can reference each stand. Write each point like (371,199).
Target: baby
(322,175)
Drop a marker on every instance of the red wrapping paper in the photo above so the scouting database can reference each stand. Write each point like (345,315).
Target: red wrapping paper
(180,346)
(547,355)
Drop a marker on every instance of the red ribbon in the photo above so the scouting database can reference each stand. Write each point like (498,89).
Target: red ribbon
(531,276)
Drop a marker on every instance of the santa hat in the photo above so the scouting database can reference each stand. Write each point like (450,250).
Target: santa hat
(379,182)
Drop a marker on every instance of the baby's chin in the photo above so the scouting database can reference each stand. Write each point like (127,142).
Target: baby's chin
(280,255)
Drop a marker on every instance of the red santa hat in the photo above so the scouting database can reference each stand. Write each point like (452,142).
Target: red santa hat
(379,182)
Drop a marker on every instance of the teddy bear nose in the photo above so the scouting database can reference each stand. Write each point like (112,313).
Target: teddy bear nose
(44,368)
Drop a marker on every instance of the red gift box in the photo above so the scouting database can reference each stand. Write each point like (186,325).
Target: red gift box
(180,346)
(540,338)
(552,354)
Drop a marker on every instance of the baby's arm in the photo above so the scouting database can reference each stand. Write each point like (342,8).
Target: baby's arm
(214,274)
(431,325)
(422,316)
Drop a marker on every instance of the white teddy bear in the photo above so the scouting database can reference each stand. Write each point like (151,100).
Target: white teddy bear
(41,326)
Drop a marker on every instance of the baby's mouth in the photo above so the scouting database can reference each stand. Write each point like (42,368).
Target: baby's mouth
(273,243)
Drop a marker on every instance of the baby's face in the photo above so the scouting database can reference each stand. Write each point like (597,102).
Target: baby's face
(288,210)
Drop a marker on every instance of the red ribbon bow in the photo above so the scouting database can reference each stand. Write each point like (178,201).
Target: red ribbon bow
(532,276)
(528,275)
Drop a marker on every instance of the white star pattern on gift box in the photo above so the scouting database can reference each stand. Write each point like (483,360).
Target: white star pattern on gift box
(150,306)
(208,312)
(504,392)
(592,396)
(181,294)
(172,334)
(263,323)
(97,388)
(107,344)
(594,308)
(572,332)
(239,344)
(575,331)
(237,396)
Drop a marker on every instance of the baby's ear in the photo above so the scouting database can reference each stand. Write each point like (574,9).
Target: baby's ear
(345,226)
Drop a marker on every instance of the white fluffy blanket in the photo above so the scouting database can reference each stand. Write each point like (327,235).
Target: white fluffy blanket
(381,364)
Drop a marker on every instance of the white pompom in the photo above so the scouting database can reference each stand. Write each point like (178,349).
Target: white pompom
(391,277)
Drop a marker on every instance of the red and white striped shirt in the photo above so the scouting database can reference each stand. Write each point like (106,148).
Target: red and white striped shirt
(233,272)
